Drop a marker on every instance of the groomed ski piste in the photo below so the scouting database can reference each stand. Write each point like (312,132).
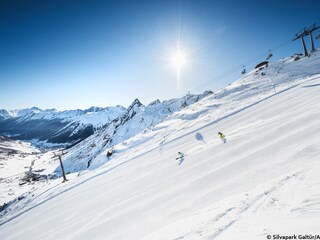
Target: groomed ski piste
(265,180)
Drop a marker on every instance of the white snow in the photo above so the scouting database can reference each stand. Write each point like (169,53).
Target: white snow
(264,180)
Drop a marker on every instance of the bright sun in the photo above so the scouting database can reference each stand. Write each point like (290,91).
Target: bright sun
(178,59)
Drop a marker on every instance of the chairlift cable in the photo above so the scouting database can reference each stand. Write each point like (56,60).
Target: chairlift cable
(237,68)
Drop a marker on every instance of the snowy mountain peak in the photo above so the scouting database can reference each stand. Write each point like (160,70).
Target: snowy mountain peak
(134,108)
(22,112)
(135,104)
(93,109)
(35,109)
(4,114)
(154,102)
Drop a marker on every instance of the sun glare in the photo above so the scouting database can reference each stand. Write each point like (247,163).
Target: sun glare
(178,61)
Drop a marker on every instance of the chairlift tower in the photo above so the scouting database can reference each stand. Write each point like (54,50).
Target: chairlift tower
(307,32)
(61,165)
(301,34)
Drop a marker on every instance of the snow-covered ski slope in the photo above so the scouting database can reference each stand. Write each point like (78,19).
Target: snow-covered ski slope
(264,180)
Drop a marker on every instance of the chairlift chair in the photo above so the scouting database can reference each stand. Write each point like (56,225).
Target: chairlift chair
(244,71)
(269,55)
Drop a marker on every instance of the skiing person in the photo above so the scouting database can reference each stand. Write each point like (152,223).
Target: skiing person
(181,157)
(109,153)
(223,137)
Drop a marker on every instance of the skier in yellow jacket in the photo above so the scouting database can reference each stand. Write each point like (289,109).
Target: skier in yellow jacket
(223,137)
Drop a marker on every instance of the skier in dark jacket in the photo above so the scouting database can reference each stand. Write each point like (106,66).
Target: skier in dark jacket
(181,157)
(109,153)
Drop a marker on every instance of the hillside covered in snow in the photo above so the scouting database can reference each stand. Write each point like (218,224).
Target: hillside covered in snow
(263,181)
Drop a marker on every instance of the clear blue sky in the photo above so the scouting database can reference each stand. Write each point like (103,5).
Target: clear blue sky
(76,54)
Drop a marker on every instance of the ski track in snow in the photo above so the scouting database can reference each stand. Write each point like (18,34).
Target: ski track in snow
(246,206)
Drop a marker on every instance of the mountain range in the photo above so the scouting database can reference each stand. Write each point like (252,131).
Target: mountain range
(50,127)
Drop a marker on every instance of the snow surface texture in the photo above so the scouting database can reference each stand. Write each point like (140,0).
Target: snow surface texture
(264,180)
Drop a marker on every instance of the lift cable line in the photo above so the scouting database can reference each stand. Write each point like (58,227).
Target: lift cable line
(239,67)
